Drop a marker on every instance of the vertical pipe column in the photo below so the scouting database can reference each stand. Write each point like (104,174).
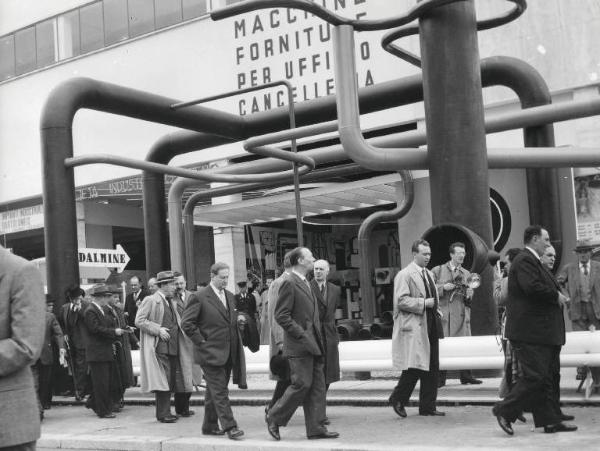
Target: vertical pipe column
(62,265)
(458,169)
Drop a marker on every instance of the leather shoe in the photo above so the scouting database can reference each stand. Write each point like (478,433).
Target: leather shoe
(565,417)
(215,431)
(399,409)
(326,422)
(273,430)
(505,425)
(326,434)
(234,433)
(108,415)
(521,418)
(559,427)
(434,413)
(189,413)
(470,380)
(168,419)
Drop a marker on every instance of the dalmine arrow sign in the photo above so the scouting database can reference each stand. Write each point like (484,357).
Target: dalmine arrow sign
(104,258)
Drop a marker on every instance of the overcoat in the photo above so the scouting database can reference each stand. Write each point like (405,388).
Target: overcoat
(275,330)
(52,330)
(327,306)
(148,319)
(410,343)
(456,319)
(22,313)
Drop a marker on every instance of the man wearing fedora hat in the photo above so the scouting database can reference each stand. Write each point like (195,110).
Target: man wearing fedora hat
(101,333)
(581,283)
(161,347)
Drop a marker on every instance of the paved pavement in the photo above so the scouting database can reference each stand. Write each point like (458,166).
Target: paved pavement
(357,409)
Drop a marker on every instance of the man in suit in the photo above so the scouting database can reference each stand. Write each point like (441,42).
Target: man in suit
(416,333)
(211,322)
(182,298)
(328,296)
(581,282)
(53,338)
(455,302)
(163,356)
(536,331)
(549,258)
(73,327)
(133,300)
(297,313)
(101,333)
(21,339)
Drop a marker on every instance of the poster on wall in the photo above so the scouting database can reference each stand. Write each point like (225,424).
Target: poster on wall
(586,184)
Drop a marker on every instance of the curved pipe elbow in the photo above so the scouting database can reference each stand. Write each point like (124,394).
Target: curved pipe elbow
(64,101)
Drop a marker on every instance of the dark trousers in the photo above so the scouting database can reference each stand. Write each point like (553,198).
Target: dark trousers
(182,402)
(217,408)
(45,385)
(80,378)
(536,388)
(307,388)
(429,381)
(172,368)
(280,389)
(163,404)
(101,400)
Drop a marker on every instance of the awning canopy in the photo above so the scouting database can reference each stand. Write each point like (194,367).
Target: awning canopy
(331,198)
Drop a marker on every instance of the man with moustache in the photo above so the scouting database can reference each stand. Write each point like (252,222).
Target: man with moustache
(297,313)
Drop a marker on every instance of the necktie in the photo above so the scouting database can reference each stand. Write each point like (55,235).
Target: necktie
(222,297)
(585,269)
(180,305)
(426,283)
(323,291)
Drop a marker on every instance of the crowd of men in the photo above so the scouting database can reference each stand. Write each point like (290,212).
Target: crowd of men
(184,336)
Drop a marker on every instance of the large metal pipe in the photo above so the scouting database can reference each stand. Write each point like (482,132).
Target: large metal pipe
(364,247)
(56,122)
(456,143)
(495,71)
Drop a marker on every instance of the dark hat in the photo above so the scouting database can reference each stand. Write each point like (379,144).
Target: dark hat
(101,289)
(583,246)
(165,277)
(74,291)
(242,284)
(280,366)
(49,299)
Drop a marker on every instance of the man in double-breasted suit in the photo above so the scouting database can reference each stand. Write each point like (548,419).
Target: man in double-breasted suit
(536,330)
(297,313)
(416,333)
(21,338)
(211,322)
(102,332)
(328,296)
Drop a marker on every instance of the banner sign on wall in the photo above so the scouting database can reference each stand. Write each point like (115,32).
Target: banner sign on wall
(587,204)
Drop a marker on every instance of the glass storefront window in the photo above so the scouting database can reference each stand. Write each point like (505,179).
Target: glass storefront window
(141,17)
(194,8)
(168,12)
(7,57)
(25,50)
(68,35)
(115,21)
(92,29)
(46,43)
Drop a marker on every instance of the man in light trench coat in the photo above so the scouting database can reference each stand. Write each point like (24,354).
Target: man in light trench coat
(417,329)
(166,355)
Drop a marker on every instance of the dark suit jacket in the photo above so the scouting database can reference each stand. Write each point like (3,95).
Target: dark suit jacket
(52,330)
(298,314)
(214,331)
(533,314)
(100,330)
(246,304)
(569,277)
(131,308)
(327,308)
(73,324)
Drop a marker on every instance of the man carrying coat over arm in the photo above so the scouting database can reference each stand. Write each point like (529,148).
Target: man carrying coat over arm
(210,320)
